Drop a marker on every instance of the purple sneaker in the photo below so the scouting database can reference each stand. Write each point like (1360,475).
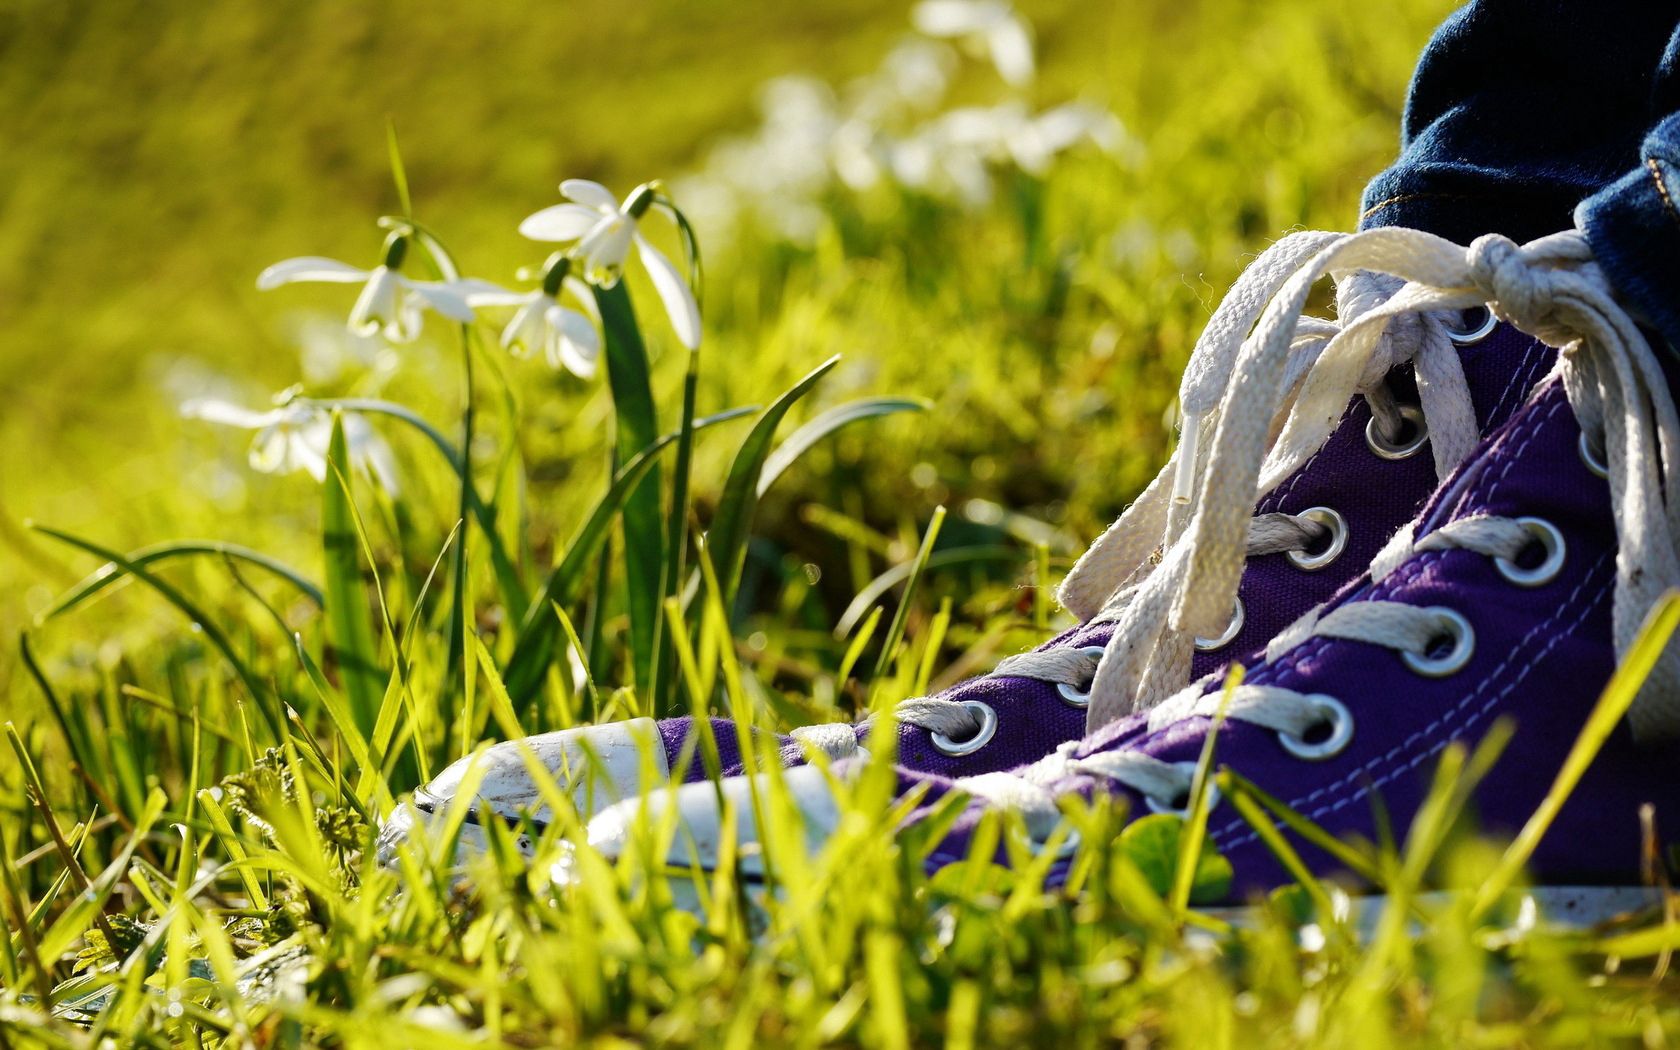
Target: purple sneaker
(1411,389)
(1513,596)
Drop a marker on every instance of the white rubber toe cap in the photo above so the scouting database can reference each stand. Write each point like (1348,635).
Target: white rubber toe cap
(700,826)
(597,766)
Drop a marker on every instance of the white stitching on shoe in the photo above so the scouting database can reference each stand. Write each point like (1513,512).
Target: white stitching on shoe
(1523,437)
(1364,789)
(1519,379)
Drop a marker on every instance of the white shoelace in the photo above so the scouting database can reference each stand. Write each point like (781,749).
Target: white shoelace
(1257,370)
(1552,289)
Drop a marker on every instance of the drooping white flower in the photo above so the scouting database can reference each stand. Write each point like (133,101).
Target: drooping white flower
(940,161)
(988,25)
(296,436)
(389,302)
(1037,141)
(952,155)
(604,231)
(567,338)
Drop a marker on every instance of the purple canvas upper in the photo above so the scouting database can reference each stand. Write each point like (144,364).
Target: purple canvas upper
(1541,657)
(1373,494)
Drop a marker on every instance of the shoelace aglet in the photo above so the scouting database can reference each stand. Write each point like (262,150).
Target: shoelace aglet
(1189,440)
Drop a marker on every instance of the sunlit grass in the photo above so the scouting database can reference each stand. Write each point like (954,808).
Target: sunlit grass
(202,736)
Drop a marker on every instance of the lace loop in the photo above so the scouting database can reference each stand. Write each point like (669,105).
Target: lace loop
(1166,572)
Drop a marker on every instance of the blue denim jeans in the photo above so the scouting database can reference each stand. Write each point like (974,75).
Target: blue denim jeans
(1526,117)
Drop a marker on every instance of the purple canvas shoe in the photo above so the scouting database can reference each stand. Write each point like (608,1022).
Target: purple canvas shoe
(1513,596)
(1413,390)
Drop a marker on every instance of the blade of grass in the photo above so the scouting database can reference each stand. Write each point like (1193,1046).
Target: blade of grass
(628,376)
(337,710)
(880,585)
(1613,703)
(262,697)
(399,173)
(825,423)
(507,574)
(901,615)
(1195,824)
(662,688)
(458,612)
(222,828)
(1277,845)
(111,572)
(727,538)
(1346,855)
(534,648)
(75,919)
(36,793)
(860,642)
(349,622)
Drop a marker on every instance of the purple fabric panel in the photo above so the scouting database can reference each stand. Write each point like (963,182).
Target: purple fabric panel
(1542,655)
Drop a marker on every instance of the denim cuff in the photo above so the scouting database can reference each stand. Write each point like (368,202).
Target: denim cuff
(1633,225)
(1460,202)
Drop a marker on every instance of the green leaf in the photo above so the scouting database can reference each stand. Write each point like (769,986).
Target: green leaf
(880,585)
(349,623)
(70,924)
(638,427)
(534,648)
(802,440)
(332,701)
(399,173)
(1152,843)
(111,572)
(507,574)
(901,615)
(661,689)
(212,632)
(726,540)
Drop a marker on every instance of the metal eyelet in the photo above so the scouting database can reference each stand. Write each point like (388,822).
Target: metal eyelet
(1551,544)
(1473,333)
(1338,723)
(1387,449)
(1182,808)
(1594,462)
(1074,697)
(1332,520)
(982,736)
(1454,628)
(1232,629)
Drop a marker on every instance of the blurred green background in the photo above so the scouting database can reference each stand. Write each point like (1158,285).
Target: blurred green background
(155,157)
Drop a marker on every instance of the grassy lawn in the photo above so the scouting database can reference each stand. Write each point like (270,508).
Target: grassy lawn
(197,752)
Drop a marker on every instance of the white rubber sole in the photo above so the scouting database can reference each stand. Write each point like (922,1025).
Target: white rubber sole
(1549,907)
(1554,908)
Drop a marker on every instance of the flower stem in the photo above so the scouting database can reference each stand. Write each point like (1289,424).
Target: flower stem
(458,610)
(663,686)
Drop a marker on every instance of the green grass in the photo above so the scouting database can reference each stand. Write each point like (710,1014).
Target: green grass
(197,749)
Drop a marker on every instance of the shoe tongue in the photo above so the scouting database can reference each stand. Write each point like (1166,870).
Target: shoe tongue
(1532,449)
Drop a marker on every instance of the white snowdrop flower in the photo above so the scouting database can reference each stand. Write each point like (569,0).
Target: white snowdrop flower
(295,437)
(991,26)
(952,155)
(938,162)
(918,72)
(568,338)
(797,103)
(389,302)
(604,231)
(860,154)
(1035,142)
